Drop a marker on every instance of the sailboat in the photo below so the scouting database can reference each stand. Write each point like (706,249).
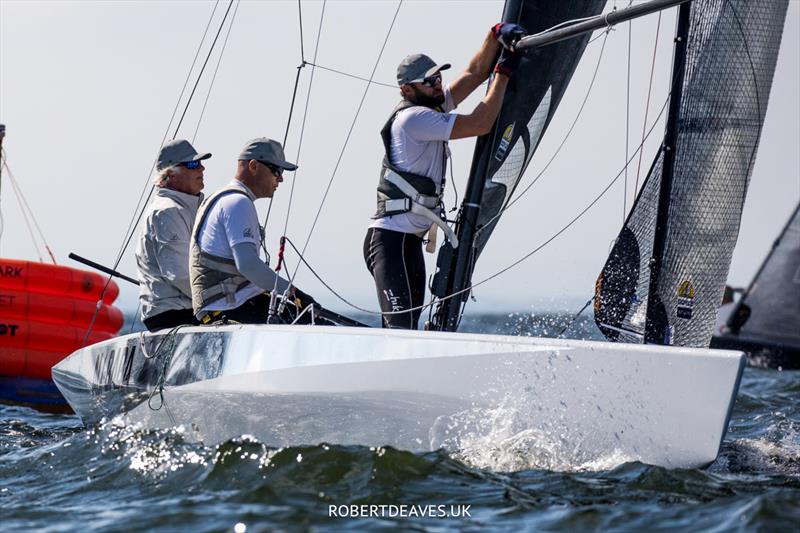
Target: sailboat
(765,321)
(660,402)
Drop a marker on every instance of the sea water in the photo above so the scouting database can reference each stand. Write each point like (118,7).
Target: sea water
(56,475)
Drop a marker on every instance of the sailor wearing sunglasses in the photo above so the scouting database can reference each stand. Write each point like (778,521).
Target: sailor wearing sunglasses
(414,163)
(229,279)
(162,253)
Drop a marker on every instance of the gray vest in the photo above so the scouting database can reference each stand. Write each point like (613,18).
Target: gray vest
(213,277)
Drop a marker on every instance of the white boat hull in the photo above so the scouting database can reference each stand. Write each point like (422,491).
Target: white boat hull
(292,385)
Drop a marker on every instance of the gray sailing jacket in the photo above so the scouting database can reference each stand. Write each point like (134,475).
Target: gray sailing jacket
(162,253)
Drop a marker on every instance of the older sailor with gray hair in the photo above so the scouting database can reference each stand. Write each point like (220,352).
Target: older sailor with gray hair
(229,279)
(162,253)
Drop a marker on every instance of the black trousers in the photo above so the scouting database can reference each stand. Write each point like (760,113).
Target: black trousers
(396,263)
(170,319)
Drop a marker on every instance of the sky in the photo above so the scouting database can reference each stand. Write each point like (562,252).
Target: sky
(88,89)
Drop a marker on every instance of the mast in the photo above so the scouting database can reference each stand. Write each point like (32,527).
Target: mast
(655,322)
(455,265)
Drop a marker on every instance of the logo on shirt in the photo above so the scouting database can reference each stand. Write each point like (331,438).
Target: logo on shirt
(505,142)
(248,233)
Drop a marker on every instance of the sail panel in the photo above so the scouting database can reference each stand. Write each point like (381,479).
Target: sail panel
(531,99)
(732,49)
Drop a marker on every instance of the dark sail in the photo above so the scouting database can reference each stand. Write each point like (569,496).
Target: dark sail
(500,158)
(725,81)
(766,321)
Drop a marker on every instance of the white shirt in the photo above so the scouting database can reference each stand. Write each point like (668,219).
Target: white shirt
(417,135)
(231,220)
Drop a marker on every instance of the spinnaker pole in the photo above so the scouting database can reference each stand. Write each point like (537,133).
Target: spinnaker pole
(595,23)
(656,326)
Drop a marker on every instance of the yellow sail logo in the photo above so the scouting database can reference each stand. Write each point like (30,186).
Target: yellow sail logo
(685,290)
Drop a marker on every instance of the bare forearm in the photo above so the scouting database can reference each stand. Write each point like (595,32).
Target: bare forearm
(482,63)
(479,68)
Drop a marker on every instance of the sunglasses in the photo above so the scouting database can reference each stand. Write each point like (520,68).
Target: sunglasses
(191,165)
(278,171)
(431,81)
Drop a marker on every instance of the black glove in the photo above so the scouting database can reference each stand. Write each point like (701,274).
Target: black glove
(508,62)
(303,300)
(507,33)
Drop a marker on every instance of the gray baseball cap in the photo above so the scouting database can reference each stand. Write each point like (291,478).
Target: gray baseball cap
(263,149)
(417,67)
(178,151)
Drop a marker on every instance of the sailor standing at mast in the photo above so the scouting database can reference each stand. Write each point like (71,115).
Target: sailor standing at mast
(412,178)
(162,253)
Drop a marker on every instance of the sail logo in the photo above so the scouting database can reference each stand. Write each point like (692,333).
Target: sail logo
(685,305)
(505,142)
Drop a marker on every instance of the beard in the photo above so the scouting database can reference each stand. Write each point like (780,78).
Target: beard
(425,100)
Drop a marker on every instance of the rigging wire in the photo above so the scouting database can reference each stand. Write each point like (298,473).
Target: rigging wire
(134,219)
(627,122)
(15,189)
(303,123)
(354,76)
(140,206)
(216,69)
(302,65)
(649,91)
(23,203)
(352,126)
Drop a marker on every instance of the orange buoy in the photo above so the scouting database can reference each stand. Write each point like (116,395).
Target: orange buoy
(30,335)
(52,309)
(45,312)
(28,276)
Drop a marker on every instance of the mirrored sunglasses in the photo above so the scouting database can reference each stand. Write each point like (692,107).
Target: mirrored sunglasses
(191,165)
(431,81)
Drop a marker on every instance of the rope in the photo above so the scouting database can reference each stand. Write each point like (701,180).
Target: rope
(15,188)
(574,318)
(352,126)
(24,206)
(216,69)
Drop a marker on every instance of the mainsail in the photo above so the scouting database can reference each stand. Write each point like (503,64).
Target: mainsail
(665,275)
(501,157)
(766,320)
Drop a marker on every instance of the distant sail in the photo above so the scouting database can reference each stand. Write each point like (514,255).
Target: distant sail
(766,321)
(732,48)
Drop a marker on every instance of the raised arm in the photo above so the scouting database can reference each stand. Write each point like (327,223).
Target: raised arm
(480,121)
(502,34)
(478,70)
